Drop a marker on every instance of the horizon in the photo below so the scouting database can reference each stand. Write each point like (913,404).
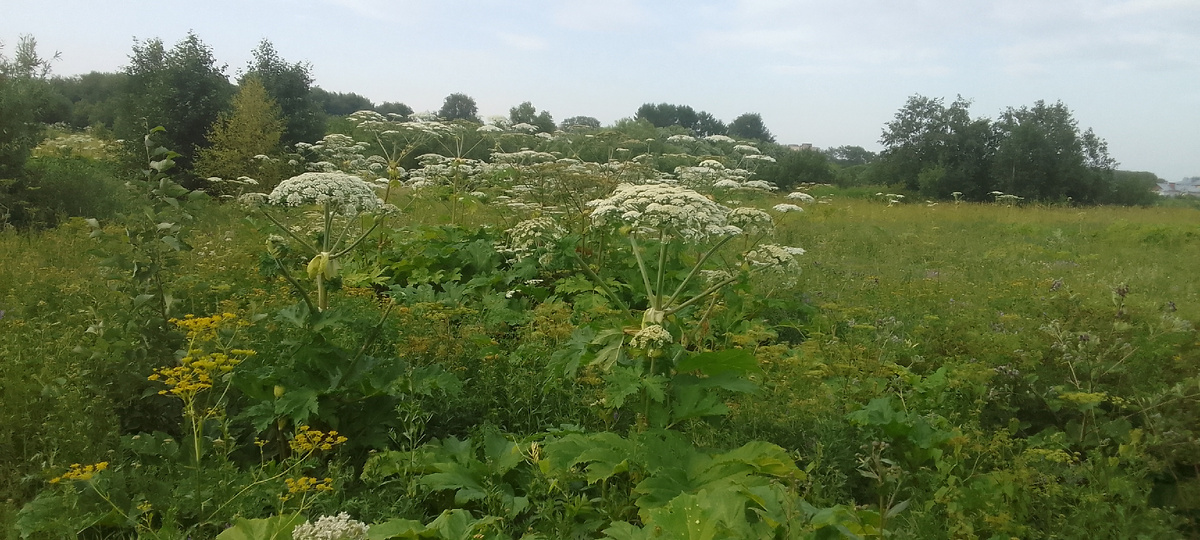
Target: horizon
(826,75)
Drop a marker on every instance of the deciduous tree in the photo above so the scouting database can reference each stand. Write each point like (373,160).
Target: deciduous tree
(242,137)
(290,85)
(750,126)
(459,107)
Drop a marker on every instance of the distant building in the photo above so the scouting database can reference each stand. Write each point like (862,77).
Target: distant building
(798,147)
(1186,187)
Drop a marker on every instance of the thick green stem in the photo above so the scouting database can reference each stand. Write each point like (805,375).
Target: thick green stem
(637,252)
(591,274)
(696,268)
(662,267)
(288,232)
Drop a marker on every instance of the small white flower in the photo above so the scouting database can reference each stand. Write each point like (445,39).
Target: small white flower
(339,527)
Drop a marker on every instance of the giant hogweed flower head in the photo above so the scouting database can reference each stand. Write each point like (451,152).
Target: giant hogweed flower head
(775,258)
(347,193)
(339,527)
(665,208)
(751,220)
(528,237)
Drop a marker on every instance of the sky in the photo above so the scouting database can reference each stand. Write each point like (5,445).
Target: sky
(826,73)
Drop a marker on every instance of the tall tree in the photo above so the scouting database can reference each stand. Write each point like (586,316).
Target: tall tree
(528,114)
(937,149)
(340,103)
(459,107)
(707,124)
(1043,155)
(394,107)
(750,126)
(587,122)
(24,91)
(290,85)
(666,115)
(89,100)
(253,127)
(183,90)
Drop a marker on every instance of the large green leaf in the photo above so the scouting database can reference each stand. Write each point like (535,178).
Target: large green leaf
(605,454)
(272,528)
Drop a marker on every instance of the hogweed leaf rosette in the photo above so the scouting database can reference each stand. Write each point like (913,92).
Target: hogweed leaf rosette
(339,195)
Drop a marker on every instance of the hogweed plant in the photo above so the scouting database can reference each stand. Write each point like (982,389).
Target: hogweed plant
(342,198)
(667,214)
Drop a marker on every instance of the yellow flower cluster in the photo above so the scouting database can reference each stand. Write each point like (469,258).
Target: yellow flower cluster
(203,328)
(80,472)
(308,440)
(305,484)
(195,373)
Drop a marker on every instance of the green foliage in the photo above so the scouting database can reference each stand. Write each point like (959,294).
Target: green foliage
(182,89)
(459,107)
(665,115)
(795,167)
(340,103)
(23,94)
(53,188)
(290,87)
(750,126)
(88,100)
(526,113)
(245,141)
(393,107)
(579,122)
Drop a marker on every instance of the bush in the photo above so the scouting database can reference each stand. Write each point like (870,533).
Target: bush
(52,189)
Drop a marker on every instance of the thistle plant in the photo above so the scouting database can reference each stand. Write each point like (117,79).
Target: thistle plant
(339,195)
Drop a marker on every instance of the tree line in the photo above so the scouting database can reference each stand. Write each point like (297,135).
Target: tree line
(931,149)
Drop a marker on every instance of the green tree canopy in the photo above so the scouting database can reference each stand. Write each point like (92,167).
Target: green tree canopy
(528,114)
(459,107)
(182,89)
(750,126)
(937,149)
(88,100)
(665,115)
(1043,155)
(290,85)
(241,137)
(24,92)
(340,103)
(580,121)
(707,124)
(394,107)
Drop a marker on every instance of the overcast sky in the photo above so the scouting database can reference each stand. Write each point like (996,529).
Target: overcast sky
(827,73)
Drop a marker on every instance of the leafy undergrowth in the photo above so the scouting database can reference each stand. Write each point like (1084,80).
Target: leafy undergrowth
(923,371)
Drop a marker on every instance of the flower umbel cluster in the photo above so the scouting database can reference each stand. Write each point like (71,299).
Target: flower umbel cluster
(783,258)
(339,527)
(309,440)
(651,337)
(531,235)
(343,192)
(751,220)
(80,472)
(664,208)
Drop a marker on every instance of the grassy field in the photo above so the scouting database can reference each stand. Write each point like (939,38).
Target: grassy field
(936,371)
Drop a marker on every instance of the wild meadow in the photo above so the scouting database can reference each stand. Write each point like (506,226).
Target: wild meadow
(424,329)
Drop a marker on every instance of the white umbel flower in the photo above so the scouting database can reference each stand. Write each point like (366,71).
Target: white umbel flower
(665,208)
(339,527)
(784,208)
(782,258)
(651,337)
(751,220)
(346,193)
(801,196)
